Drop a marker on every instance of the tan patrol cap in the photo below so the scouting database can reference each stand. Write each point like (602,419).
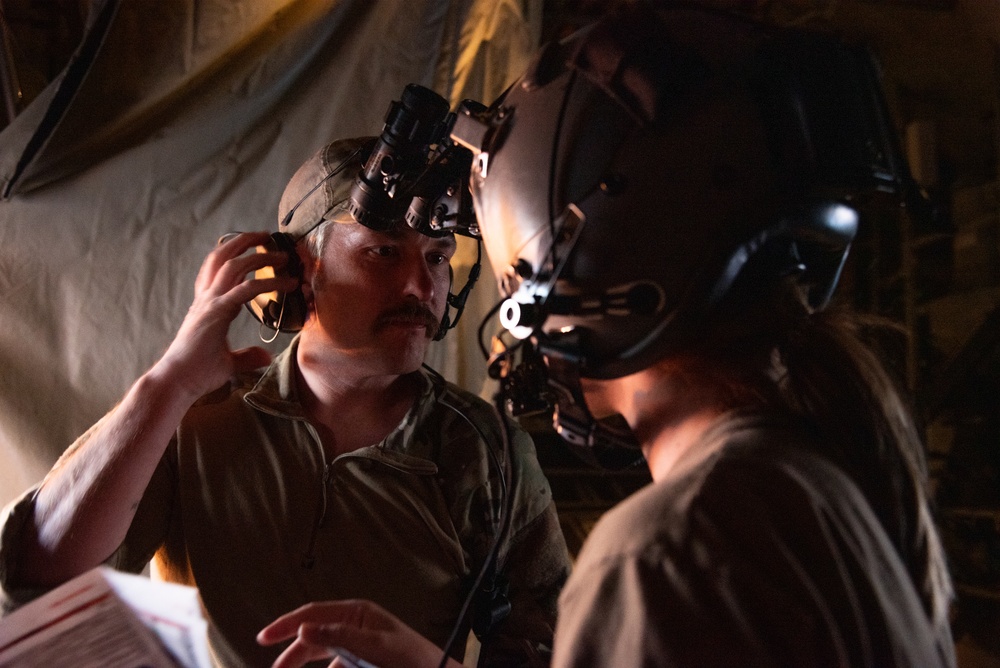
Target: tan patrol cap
(320,188)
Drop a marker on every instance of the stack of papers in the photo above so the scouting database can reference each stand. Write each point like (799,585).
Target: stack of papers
(108,619)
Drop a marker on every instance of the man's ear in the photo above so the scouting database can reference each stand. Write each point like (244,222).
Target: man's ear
(308,264)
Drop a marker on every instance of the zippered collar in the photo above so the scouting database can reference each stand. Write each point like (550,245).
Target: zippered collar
(276,393)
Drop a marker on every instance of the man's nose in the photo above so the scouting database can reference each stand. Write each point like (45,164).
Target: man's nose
(419,279)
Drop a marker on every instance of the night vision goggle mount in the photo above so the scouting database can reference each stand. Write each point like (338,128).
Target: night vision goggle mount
(415,172)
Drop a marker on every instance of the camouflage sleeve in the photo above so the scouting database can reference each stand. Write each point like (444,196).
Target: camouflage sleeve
(148,528)
(534,567)
(14,520)
(151,523)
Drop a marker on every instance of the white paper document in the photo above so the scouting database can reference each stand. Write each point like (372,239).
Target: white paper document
(108,619)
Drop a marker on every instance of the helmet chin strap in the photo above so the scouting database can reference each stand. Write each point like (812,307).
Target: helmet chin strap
(607,443)
(458,300)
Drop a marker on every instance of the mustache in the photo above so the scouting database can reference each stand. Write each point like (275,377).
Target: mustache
(410,313)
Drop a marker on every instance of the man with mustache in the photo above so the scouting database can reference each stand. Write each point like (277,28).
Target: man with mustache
(344,469)
(668,198)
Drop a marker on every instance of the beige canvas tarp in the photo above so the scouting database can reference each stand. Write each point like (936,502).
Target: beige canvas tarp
(175,122)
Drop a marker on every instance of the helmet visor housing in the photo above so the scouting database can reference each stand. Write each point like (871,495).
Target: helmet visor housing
(637,169)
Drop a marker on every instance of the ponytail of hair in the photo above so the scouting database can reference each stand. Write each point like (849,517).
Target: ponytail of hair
(830,374)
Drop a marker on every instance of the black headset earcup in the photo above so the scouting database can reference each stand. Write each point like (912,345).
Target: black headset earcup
(286,313)
(811,244)
(280,311)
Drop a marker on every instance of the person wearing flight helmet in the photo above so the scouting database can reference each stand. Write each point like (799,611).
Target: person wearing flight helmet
(667,199)
(344,469)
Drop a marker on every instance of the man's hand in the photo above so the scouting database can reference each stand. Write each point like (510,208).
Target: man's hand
(361,627)
(85,506)
(199,359)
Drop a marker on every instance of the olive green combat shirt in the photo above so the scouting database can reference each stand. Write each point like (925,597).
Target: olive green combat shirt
(245,507)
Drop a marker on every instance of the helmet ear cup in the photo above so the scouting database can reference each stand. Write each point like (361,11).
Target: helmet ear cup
(280,311)
(812,245)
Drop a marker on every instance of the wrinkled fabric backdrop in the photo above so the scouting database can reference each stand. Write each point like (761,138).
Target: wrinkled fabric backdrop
(175,122)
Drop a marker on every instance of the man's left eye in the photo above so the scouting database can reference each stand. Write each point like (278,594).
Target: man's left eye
(438,258)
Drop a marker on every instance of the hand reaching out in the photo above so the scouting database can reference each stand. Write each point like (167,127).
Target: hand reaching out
(361,627)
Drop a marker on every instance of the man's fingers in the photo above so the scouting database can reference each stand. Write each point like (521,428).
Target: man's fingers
(234,245)
(361,627)
(236,269)
(232,248)
(257,286)
(318,641)
(299,654)
(313,640)
(287,626)
(332,635)
(283,628)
